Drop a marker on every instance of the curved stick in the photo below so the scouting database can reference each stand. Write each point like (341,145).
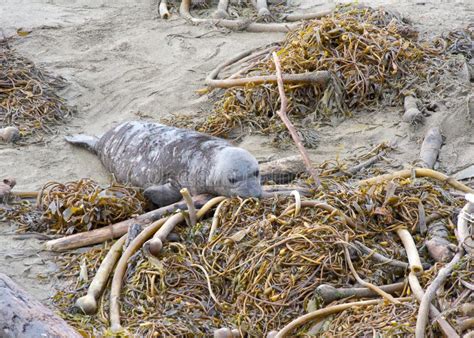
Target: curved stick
(307,16)
(291,129)
(131,249)
(88,303)
(235,24)
(221,11)
(328,311)
(321,205)
(443,274)
(412,253)
(317,77)
(419,172)
(163,9)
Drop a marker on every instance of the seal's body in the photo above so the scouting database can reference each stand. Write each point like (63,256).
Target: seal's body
(165,159)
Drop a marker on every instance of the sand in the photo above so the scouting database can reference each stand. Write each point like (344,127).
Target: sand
(122,62)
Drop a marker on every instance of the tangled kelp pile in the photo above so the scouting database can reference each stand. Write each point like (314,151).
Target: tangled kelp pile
(76,206)
(373,56)
(28,98)
(265,263)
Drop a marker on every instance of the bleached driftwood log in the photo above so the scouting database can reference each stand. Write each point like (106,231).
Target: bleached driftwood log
(23,316)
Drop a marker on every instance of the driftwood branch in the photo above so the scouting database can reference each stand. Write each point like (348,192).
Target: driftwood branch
(184,11)
(289,125)
(119,229)
(23,316)
(318,77)
(283,170)
(307,16)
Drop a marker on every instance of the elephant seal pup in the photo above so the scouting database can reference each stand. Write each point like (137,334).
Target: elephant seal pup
(163,159)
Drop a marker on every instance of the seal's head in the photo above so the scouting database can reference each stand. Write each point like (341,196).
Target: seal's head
(235,173)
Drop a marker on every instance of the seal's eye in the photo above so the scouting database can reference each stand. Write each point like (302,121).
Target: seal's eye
(256,173)
(232,180)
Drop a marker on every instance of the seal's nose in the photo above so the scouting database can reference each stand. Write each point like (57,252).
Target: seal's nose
(254,189)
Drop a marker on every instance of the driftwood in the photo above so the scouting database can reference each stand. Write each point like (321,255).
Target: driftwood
(23,316)
(289,125)
(119,229)
(430,147)
(184,11)
(281,171)
(317,77)
(307,16)
(329,293)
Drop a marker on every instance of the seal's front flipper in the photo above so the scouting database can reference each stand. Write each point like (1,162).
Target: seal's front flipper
(162,195)
(85,141)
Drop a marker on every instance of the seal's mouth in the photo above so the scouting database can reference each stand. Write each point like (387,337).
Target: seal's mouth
(250,188)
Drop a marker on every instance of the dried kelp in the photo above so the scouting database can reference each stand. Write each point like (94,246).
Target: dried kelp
(374,57)
(84,205)
(262,267)
(28,98)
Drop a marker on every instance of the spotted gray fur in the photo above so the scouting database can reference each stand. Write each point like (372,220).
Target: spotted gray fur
(156,156)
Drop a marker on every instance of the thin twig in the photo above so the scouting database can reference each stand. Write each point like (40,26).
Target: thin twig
(289,125)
